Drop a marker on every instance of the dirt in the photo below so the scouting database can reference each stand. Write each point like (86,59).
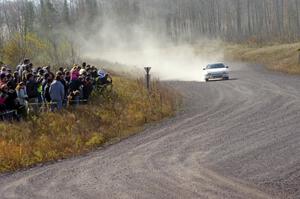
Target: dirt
(233,139)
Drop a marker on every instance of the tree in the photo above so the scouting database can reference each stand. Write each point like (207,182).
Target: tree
(14,52)
(66,13)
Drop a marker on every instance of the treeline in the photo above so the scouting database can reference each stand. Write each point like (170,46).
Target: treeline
(55,21)
(43,30)
(237,20)
(230,20)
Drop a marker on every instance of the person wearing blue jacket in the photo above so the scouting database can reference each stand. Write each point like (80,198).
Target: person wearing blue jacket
(57,93)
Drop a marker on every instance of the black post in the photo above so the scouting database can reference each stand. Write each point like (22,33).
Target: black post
(299,56)
(147,69)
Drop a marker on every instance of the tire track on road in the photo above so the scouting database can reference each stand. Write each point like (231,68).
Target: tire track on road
(234,139)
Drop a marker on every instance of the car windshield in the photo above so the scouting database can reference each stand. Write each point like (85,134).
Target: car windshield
(213,66)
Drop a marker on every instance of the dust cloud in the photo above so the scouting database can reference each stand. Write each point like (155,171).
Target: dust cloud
(141,49)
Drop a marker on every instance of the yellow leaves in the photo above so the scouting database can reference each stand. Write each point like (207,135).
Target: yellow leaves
(21,46)
(10,155)
(95,140)
(38,156)
(33,44)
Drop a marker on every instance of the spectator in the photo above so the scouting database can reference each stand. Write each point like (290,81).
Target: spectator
(41,73)
(47,69)
(57,93)
(87,89)
(22,67)
(94,72)
(32,91)
(88,67)
(16,77)
(62,79)
(104,78)
(73,98)
(46,92)
(82,72)
(44,82)
(25,72)
(61,69)
(83,65)
(3,70)
(74,73)
(40,78)
(39,88)
(22,99)
(22,94)
(65,84)
(9,71)
(3,98)
(67,77)
(74,90)
(3,79)
(11,81)
(11,101)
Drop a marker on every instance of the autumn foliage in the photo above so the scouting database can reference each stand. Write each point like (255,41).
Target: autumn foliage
(114,114)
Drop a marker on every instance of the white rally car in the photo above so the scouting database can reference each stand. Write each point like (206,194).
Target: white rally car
(216,71)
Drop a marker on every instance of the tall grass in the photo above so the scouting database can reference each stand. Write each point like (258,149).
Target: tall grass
(278,57)
(115,114)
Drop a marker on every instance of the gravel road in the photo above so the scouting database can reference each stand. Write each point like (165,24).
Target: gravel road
(233,139)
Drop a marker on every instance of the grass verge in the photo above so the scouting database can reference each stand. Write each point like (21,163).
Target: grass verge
(53,136)
(278,57)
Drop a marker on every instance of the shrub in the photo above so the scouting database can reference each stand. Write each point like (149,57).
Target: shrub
(53,136)
(19,46)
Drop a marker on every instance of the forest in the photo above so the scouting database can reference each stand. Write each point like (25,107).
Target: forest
(52,26)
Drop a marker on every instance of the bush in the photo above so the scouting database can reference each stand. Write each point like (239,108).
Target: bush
(40,50)
(18,47)
(53,136)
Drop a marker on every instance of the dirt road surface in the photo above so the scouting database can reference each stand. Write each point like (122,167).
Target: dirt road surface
(233,139)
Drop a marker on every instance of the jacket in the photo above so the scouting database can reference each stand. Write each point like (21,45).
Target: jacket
(57,91)
(22,95)
(32,89)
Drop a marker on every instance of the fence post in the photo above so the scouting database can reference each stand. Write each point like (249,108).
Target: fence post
(298,56)
(147,69)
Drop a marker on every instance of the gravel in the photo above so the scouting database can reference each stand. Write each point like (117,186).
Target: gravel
(233,139)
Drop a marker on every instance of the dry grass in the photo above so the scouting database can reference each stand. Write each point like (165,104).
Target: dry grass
(53,136)
(278,57)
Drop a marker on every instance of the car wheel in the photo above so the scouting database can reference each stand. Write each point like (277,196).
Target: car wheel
(206,80)
(226,78)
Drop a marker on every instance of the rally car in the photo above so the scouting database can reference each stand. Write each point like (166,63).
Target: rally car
(216,71)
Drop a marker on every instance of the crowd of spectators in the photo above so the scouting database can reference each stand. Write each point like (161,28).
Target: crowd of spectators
(36,87)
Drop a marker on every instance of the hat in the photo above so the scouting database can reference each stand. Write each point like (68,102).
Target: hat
(82,71)
(101,73)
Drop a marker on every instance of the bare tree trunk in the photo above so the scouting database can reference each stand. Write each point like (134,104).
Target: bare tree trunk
(298,17)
